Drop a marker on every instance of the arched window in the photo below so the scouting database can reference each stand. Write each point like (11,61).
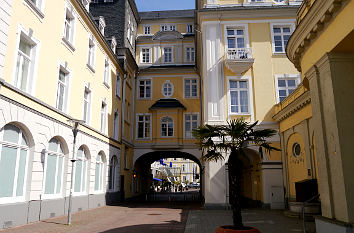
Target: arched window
(54,168)
(167,89)
(99,172)
(13,160)
(167,127)
(112,183)
(80,171)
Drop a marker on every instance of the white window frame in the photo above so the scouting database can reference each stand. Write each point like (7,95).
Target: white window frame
(37,8)
(107,72)
(91,53)
(250,96)
(290,24)
(184,88)
(188,26)
(173,127)
(147,28)
(144,125)
(19,147)
(184,123)
(71,13)
(113,176)
(164,53)
(64,68)
(191,58)
(149,53)
(295,77)
(86,4)
(102,166)
(279,2)
(116,125)
(89,90)
(85,160)
(168,27)
(104,117)
(34,56)
(57,154)
(138,89)
(118,85)
(237,26)
(167,82)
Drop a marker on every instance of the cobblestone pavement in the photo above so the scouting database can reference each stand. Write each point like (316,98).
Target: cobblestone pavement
(137,218)
(267,221)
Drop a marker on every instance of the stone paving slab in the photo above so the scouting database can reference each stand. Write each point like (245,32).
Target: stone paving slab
(267,221)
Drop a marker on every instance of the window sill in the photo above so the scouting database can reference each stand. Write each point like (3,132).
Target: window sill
(140,98)
(79,194)
(90,68)
(35,9)
(51,196)
(193,97)
(143,139)
(239,114)
(106,85)
(68,44)
(279,53)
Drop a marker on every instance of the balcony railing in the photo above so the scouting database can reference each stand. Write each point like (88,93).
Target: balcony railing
(239,54)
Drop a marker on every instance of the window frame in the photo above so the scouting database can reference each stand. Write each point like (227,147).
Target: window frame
(142,54)
(163,89)
(184,88)
(144,126)
(104,117)
(102,166)
(148,28)
(138,88)
(192,58)
(91,53)
(37,9)
(173,127)
(289,24)
(112,176)
(107,72)
(245,36)
(295,77)
(191,121)
(188,27)
(164,54)
(116,125)
(85,160)
(64,68)
(89,90)
(69,42)
(170,26)
(118,85)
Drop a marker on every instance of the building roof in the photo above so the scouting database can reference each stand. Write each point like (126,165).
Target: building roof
(166,14)
(167,103)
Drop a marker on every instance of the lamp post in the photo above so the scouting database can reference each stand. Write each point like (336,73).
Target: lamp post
(75,129)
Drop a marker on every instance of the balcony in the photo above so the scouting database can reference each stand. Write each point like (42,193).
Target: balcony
(239,60)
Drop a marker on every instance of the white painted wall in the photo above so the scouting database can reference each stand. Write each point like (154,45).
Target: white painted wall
(5,16)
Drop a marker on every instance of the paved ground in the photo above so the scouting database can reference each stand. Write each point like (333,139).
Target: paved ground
(160,218)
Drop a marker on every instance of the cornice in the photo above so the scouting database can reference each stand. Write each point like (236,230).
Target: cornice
(293,107)
(321,14)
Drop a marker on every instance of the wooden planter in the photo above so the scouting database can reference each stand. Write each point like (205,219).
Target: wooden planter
(225,229)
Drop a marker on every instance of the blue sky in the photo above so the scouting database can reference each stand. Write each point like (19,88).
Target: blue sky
(157,5)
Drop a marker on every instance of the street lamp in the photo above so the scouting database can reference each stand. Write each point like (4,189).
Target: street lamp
(75,128)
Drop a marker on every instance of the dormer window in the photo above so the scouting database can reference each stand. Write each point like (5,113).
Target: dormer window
(101,24)
(113,44)
(147,30)
(86,4)
(168,28)
(190,28)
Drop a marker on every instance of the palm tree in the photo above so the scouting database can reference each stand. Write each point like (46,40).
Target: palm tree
(234,137)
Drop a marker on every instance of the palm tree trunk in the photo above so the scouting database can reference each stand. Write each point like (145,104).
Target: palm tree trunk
(234,188)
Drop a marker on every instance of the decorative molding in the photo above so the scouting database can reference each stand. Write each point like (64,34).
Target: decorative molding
(311,26)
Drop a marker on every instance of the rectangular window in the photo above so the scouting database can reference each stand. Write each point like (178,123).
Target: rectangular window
(144,89)
(147,30)
(168,27)
(125,157)
(190,88)
(87,105)
(285,86)
(69,26)
(143,129)
(167,55)
(145,55)
(62,90)
(91,54)
(239,97)
(106,78)
(190,123)
(118,86)
(103,117)
(281,35)
(24,64)
(190,54)
(235,38)
(116,126)
(190,28)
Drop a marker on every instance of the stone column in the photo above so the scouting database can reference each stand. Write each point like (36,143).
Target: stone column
(331,82)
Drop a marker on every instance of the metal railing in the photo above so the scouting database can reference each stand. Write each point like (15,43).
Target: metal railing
(239,54)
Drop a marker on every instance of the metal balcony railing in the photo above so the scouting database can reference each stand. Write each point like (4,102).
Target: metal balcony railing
(239,54)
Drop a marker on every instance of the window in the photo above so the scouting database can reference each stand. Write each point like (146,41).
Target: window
(168,27)
(86,4)
(36,6)
(91,54)
(62,90)
(190,54)
(116,125)
(99,172)
(190,88)
(103,117)
(112,182)
(54,168)
(147,30)
(144,126)
(80,171)
(239,96)
(190,28)
(146,55)
(101,24)
(69,26)
(236,38)
(118,85)
(296,149)
(87,105)
(183,167)
(25,63)
(167,89)
(166,127)
(113,44)
(144,88)
(279,1)
(190,123)
(130,29)
(106,78)
(13,163)
(126,157)
(167,55)
(285,86)
(127,111)
(281,35)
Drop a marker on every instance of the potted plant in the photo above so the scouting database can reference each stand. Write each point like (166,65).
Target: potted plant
(233,139)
